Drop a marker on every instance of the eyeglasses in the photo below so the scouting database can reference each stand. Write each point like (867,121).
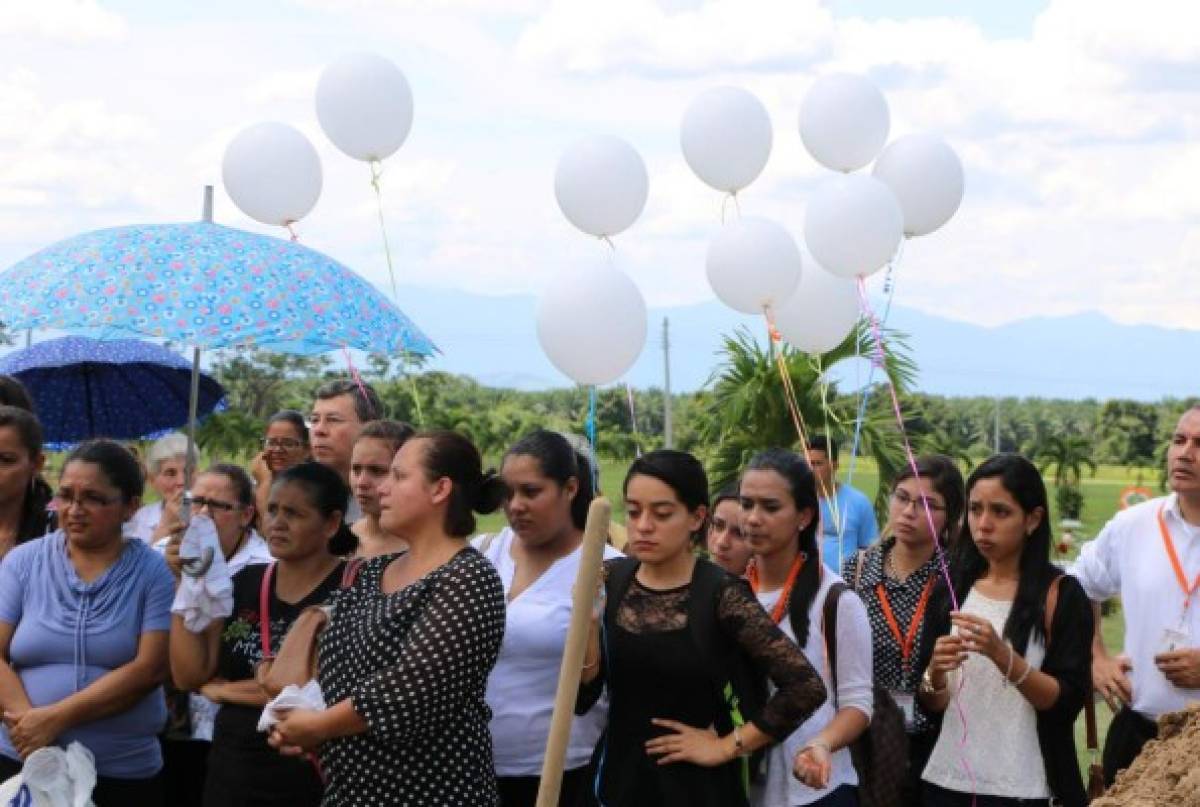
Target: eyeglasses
(281,443)
(214,505)
(88,500)
(902,500)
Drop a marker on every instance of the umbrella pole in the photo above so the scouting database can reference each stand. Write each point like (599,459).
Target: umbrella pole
(189,463)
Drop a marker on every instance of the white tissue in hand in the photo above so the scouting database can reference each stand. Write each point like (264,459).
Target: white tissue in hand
(292,697)
(200,600)
(55,778)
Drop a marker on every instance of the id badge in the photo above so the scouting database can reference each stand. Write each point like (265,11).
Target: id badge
(907,704)
(1172,640)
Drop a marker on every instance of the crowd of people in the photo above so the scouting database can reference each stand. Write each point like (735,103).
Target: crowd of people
(766,644)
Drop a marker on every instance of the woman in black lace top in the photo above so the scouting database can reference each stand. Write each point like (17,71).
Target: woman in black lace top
(676,639)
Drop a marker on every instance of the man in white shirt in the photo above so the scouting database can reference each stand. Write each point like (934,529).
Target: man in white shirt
(1149,555)
(339,412)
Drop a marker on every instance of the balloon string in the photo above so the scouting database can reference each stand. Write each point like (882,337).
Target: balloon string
(725,200)
(637,435)
(357,378)
(590,428)
(377,184)
(889,289)
(291,230)
(839,524)
(789,390)
(879,359)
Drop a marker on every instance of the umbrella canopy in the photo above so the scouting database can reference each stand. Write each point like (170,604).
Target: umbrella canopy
(122,388)
(206,286)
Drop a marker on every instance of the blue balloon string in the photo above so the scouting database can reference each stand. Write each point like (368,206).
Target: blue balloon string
(590,427)
(889,288)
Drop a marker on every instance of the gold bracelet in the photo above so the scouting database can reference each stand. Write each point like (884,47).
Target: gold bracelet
(739,748)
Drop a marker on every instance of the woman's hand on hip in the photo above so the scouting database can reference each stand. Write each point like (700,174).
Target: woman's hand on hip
(689,744)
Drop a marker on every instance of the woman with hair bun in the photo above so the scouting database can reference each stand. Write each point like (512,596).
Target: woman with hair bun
(537,556)
(405,659)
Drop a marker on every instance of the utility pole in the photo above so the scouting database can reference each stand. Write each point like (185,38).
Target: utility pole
(668,426)
(996,429)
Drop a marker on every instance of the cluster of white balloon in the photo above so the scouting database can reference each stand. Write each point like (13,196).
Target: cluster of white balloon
(853,224)
(365,107)
(592,323)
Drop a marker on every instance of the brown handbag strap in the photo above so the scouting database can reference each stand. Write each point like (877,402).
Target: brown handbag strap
(1089,702)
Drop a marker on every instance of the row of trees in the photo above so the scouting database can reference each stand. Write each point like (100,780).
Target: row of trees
(742,409)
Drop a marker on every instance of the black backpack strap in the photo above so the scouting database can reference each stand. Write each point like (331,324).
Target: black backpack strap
(829,624)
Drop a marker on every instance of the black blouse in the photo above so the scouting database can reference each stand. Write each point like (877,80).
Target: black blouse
(414,665)
(903,597)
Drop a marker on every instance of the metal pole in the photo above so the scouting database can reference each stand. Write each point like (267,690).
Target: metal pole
(189,467)
(996,429)
(668,418)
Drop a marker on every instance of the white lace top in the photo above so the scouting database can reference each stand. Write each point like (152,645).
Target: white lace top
(1000,755)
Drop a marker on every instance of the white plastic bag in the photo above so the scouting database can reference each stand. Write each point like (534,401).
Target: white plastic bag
(52,777)
(292,697)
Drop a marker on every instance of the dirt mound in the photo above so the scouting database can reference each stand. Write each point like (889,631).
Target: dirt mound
(1167,772)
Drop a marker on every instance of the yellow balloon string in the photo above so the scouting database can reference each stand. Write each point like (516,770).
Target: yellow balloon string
(377,185)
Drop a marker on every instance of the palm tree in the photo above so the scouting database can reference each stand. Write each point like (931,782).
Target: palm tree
(1068,454)
(749,410)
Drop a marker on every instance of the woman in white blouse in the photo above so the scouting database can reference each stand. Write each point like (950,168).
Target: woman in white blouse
(780,520)
(537,556)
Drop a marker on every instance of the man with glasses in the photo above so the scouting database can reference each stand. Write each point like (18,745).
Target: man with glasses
(339,412)
(1149,555)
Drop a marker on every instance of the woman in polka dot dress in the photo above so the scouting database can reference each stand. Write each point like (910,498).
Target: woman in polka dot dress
(405,660)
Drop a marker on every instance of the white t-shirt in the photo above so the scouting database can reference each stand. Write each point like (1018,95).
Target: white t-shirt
(855,689)
(522,685)
(1128,559)
(1002,749)
(202,711)
(144,521)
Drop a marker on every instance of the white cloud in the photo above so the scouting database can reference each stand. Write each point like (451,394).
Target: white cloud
(63,20)
(1078,140)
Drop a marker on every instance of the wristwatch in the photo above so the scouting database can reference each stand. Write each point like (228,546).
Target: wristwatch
(927,687)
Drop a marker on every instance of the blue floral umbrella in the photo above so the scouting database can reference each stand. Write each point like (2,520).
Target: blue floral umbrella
(207,286)
(122,388)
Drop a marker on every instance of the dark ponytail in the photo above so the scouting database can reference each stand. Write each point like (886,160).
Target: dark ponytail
(803,486)
(328,493)
(560,462)
(449,455)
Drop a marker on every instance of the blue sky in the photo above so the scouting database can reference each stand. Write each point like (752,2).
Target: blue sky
(1077,122)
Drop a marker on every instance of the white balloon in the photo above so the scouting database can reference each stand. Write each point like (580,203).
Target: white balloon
(365,106)
(726,137)
(927,178)
(753,263)
(821,313)
(272,173)
(601,185)
(853,225)
(844,121)
(592,324)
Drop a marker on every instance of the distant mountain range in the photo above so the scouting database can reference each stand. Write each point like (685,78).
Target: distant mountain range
(1086,355)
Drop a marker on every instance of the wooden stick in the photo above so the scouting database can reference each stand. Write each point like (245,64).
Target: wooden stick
(584,595)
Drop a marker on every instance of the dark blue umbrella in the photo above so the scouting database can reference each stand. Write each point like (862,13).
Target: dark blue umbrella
(119,388)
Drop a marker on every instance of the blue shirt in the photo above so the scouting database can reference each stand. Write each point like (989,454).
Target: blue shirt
(854,511)
(70,633)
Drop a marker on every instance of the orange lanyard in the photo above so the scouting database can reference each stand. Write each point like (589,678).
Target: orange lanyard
(1175,564)
(905,641)
(780,608)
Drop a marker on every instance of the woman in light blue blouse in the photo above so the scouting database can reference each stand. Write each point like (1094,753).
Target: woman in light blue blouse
(84,616)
